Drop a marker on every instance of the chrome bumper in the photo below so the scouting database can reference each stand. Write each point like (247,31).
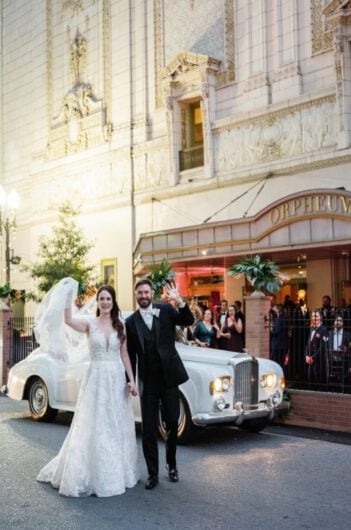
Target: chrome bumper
(236,416)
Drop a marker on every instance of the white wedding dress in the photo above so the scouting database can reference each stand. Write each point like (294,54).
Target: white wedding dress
(99,454)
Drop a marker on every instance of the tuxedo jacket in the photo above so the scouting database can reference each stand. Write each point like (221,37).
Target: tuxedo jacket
(317,347)
(345,338)
(224,319)
(173,370)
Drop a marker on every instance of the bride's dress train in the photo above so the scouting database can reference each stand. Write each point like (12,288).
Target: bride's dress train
(99,454)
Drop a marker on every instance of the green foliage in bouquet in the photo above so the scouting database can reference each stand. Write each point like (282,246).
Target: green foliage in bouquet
(262,273)
(160,274)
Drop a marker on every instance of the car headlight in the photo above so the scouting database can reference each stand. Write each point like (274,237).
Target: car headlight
(268,380)
(220,384)
(282,382)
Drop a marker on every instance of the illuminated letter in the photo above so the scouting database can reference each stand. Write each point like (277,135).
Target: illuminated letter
(275,216)
(295,204)
(285,210)
(307,204)
(320,206)
(330,203)
(346,205)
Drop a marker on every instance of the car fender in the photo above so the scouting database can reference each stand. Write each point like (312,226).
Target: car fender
(23,373)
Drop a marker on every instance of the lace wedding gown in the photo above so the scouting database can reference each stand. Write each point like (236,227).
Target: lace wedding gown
(99,454)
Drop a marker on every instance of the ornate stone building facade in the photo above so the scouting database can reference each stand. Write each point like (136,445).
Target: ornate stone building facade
(159,116)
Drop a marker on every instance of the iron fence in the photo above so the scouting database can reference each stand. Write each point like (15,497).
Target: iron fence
(23,340)
(329,354)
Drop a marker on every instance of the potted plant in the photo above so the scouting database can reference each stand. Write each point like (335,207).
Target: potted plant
(160,274)
(13,295)
(262,273)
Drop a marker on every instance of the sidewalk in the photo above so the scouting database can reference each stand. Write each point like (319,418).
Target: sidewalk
(313,434)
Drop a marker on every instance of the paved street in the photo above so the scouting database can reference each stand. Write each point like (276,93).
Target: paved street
(229,479)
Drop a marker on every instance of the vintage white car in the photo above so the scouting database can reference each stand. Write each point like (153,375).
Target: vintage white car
(223,387)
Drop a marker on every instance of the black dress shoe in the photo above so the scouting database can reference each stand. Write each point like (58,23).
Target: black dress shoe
(173,474)
(151,482)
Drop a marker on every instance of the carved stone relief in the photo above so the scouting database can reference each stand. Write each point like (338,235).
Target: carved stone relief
(87,183)
(300,131)
(151,169)
(74,7)
(81,120)
(321,37)
(200,27)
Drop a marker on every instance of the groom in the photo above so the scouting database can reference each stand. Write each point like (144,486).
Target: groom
(151,341)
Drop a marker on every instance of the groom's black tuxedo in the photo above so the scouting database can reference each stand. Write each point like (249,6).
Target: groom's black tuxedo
(163,329)
(160,371)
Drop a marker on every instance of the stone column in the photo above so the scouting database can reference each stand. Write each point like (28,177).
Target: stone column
(5,344)
(257,307)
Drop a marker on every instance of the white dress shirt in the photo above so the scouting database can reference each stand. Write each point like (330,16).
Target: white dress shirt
(147,315)
(337,339)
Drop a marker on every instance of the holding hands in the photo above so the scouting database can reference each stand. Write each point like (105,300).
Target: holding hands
(132,389)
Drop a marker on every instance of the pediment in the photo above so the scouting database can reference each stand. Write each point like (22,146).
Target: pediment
(186,61)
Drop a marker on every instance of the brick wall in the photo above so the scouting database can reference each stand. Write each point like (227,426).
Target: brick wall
(320,410)
(6,344)
(257,307)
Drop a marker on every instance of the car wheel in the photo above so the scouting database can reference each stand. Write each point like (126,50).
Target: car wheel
(38,400)
(254,425)
(185,425)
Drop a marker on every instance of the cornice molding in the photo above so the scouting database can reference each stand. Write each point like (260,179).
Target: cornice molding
(302,164)
(260,115)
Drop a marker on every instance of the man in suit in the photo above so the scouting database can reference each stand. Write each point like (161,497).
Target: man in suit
(328,312)
(151,333)
(223,313)
(221,320)
(338,346)
(316,350)
(280,337)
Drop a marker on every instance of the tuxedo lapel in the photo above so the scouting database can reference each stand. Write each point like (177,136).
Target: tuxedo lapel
(156,323)
(138,321)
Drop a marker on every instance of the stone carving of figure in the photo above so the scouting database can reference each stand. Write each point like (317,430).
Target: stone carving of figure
(78,50)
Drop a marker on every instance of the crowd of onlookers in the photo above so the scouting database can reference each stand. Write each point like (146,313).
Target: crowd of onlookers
(312,345)
(223,329)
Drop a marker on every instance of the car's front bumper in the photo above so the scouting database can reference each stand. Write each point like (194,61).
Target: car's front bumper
(237,415)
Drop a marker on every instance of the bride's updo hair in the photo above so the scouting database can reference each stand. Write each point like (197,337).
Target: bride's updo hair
(115,311)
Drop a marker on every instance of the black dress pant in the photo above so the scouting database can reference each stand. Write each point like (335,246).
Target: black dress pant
(154,391)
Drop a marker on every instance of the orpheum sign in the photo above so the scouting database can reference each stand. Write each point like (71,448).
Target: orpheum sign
(335,204)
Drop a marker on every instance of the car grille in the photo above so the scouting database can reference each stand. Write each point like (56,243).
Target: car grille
(246,384)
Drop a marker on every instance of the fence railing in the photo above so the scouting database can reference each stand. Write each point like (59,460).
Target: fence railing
(290,343)
(23,340)
(191,158)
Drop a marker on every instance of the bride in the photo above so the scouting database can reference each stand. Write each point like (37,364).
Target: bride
(99,454)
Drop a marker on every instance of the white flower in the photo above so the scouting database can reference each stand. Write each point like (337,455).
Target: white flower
(155,312)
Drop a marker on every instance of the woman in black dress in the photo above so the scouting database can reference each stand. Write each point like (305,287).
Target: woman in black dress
(232,332)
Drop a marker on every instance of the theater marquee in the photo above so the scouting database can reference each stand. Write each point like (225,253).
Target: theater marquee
(313,219)
(318,203)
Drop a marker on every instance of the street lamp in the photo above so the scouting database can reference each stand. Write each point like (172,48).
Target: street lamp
(9,203)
